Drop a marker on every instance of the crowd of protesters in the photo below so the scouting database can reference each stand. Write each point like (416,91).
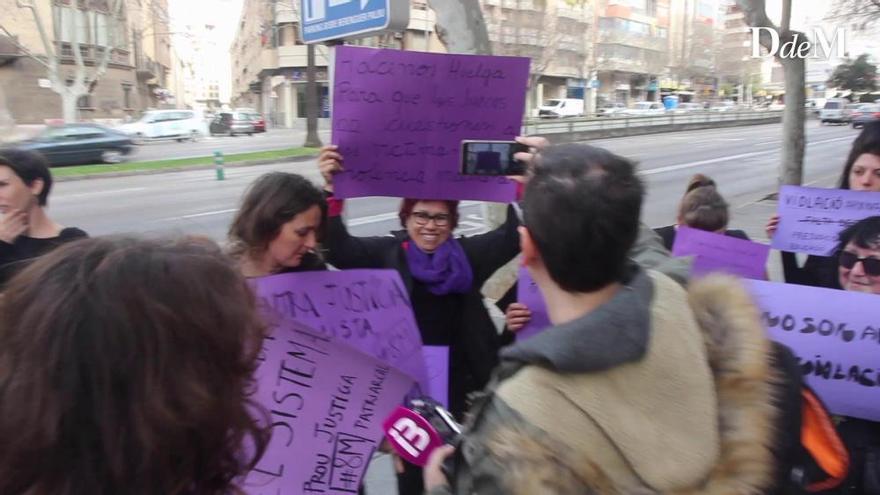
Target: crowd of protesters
(126,363)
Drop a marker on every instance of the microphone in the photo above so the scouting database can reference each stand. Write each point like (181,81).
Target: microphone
(415,433)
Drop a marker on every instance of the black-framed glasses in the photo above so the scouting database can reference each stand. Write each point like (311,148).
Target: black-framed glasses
(871,265)
(422,218)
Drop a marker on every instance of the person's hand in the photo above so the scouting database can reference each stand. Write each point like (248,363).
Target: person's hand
(433,473)
(13,224)
(329,163)
(772,225)
(517,316)
(535,144)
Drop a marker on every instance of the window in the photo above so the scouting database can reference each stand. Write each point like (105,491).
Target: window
(661,32)
(126,96)
(84,101)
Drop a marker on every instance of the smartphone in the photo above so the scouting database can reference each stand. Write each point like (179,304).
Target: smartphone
(492,158)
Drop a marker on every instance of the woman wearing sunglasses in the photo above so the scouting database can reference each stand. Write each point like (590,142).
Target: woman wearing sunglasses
(859,257)
(443,275)
(861,172)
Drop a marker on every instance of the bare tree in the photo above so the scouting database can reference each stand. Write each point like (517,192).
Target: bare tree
(794,116)
(461,26)
(83,79)
(866,11)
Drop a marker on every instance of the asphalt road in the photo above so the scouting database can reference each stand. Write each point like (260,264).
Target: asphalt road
(743,161)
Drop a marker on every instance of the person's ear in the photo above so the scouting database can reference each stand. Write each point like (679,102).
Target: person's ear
(527,245)
(36,186)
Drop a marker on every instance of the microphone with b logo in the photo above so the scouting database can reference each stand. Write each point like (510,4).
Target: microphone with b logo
(417,431)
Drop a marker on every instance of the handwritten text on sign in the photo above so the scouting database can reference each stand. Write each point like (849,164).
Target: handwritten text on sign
(811,218)
(836,337)
(326,404)
(399,118)
(527,293)
(366,309)
(720,253)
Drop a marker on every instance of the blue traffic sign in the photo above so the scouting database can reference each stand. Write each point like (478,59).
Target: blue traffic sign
(324,20)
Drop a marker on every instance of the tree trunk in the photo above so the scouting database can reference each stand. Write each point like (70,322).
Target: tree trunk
(312,138)
(68,106)
(793,120)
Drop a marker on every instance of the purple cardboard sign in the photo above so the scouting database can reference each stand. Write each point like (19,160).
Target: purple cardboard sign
(399,118)
(369,310)
(325,403)
(811,218)
(437,369)
(834,334)
(720,253)
(527,293)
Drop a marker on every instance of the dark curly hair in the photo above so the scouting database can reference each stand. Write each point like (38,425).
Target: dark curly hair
(868,141)
(125,367)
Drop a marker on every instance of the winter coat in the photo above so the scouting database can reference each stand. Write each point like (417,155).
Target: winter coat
(658,390)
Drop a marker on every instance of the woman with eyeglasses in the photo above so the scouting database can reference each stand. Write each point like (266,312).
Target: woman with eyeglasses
(858,256)
(861,172)
(444,276)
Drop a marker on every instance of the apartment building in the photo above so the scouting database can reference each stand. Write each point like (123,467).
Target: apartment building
(137,71)
(739,74)
(694,38)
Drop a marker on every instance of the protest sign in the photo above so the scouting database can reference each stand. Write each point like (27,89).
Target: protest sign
(811,218)
(720,253)
(527,293)
(835,335)
(326,403)
(369,310)
(399,118)
(437,369)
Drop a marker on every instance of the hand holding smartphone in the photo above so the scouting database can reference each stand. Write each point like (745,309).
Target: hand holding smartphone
(493,158)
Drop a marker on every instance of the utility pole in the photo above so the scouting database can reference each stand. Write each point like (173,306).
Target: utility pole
(312,139)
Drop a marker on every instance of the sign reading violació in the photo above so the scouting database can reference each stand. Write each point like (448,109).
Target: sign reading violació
(800,46)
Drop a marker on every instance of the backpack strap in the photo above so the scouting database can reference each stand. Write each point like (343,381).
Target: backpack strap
(820,439)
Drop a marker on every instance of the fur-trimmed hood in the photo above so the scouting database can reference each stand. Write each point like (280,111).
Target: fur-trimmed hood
(716,440)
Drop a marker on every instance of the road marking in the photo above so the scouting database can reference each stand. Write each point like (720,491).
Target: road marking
(672,168)
(95,193)
(196,215)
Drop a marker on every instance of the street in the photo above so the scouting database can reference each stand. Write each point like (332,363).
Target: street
(743,161)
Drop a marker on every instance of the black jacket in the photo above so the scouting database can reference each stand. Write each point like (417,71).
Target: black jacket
(460,321)
(818,271)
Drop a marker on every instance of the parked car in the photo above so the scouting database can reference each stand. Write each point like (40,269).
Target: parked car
(723,106)
(645,108)
(232,124)
(850,109)
(688,108)
(563,107)
(610,109)
(867,112)
(833,111)
(167,124)
(259,122)
(80,143)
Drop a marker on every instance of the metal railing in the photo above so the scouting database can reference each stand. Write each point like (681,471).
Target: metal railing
(586,124)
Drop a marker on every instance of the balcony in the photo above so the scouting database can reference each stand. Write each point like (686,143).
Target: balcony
(296,56)
(286,12)
(92,54)
(630,65)
(618,37)
(147,68)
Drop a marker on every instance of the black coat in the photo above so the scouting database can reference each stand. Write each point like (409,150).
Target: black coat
(460,321)
(818,271)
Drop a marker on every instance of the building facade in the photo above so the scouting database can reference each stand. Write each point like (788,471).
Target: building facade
(136,77)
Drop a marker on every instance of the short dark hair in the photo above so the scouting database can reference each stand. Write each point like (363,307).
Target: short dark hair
(126,367)
(582,209)
(29,166)
(407,205)
(868,141)
(271,201)
(865,234)
(704,208)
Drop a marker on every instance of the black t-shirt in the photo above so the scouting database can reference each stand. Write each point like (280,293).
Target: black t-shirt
(16,256)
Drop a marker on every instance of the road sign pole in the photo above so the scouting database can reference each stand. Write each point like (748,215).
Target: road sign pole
(218,165)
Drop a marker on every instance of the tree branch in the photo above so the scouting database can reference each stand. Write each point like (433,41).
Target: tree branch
(756,16)
(50,50)
(786,16)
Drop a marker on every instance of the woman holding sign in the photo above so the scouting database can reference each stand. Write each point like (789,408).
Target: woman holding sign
(443,275)
(860,173)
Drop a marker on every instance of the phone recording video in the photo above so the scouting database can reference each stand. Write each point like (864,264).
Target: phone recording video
(491,158)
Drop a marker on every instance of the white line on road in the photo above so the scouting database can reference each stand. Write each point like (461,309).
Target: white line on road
(196,215)
(95,193)
(672,168)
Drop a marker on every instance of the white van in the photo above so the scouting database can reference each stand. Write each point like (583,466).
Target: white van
(833,111)
(167,124)
(562,107)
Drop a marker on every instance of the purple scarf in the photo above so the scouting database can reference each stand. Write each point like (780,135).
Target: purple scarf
(445,271)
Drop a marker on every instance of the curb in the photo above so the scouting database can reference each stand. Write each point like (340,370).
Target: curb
(132,173)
